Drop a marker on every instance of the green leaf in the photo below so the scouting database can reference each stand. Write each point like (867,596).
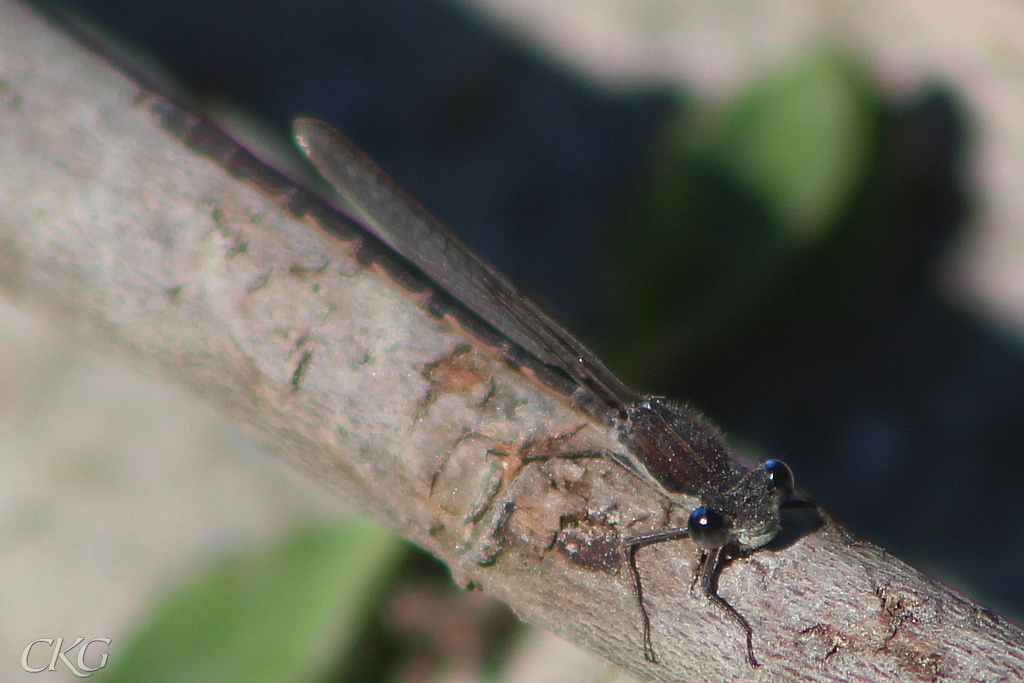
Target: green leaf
(281,613)
(739,195)
(800,141)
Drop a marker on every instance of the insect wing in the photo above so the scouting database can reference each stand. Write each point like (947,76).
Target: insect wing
(405,226)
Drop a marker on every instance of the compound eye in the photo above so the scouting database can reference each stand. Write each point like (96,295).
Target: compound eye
(780,477)
(708,529)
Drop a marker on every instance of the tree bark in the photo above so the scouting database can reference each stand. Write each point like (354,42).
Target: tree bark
(133,226)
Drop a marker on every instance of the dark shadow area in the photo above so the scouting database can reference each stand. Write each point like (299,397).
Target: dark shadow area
(798,518)
(901,413)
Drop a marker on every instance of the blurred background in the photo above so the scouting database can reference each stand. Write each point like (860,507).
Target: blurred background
(805,218)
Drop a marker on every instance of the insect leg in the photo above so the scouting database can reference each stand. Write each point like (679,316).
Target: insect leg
(632,544)
(713,561)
